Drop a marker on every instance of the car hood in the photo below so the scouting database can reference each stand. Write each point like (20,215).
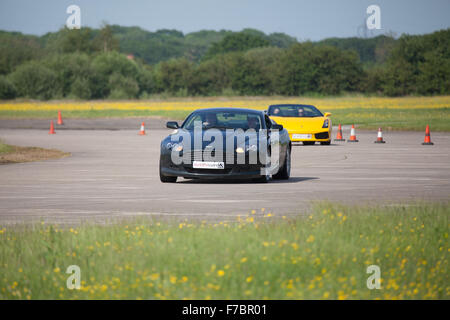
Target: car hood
(295,123)
(224,135)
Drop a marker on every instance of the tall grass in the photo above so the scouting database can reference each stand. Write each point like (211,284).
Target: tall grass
(321,256)
(402,113)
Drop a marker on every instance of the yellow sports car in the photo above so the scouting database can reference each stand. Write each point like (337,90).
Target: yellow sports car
(304,123)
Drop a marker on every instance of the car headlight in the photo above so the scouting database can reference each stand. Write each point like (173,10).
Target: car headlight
(174,146)
(252,147)
(325,123)
(178,148)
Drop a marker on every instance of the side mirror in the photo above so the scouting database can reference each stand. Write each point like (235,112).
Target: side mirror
(172,125)
(327,114)
(277,127)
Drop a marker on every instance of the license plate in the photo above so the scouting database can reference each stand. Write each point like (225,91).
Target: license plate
(302,136)
(208,165)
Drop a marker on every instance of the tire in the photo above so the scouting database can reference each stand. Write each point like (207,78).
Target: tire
(308,143)
(326,143)
(166,179)
(285,172)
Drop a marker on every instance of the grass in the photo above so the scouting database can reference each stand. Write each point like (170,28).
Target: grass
(321,256)
(404,113)
(16,154)
(5,148)
(392,119)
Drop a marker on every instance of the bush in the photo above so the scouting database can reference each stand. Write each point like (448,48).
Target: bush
(175,74)
(248,77)
(146,81)
(213,75)
(33,80)
(322,69)
(81,89)
(240,41)
(7,89)
(122,87)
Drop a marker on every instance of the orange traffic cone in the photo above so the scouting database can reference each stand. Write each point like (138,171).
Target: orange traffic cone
(352,135)
(52,128)
(60,121)
(142,132)
(427,137)
(380,137)
(339,134)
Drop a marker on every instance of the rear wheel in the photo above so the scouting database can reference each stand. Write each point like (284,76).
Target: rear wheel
(285,172)
(308,143)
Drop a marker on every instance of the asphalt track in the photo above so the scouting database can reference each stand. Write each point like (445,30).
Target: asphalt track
(114,174)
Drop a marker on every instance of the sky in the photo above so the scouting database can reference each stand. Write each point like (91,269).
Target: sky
(305,20)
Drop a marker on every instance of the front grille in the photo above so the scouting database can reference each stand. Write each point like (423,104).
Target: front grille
(199,155)
(208,171)
(322,135)
(228,158)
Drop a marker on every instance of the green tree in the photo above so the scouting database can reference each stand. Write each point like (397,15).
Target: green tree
(296,74)
(240,41)
(77,40)
(81,88)
(175,75)
(33,80)
(105,40)
(7,89)
(122,87)
(16,49)
(323,69)
(213,76)
(106,65)
(146,80)
(71,68)
(254,72)
(434,73)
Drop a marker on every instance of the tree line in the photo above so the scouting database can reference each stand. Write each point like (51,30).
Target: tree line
(93,64)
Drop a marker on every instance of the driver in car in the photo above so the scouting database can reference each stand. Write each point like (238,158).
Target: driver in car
(252,122)
(210,120)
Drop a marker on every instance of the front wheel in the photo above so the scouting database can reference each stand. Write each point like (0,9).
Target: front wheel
(165,178)
(326,143)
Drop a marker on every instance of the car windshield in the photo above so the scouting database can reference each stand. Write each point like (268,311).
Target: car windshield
(294,111)
(224,120)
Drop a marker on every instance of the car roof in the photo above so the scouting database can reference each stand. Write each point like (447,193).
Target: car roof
(258,112)
(292,104)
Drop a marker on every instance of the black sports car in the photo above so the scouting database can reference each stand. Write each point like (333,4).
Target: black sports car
(226,143)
